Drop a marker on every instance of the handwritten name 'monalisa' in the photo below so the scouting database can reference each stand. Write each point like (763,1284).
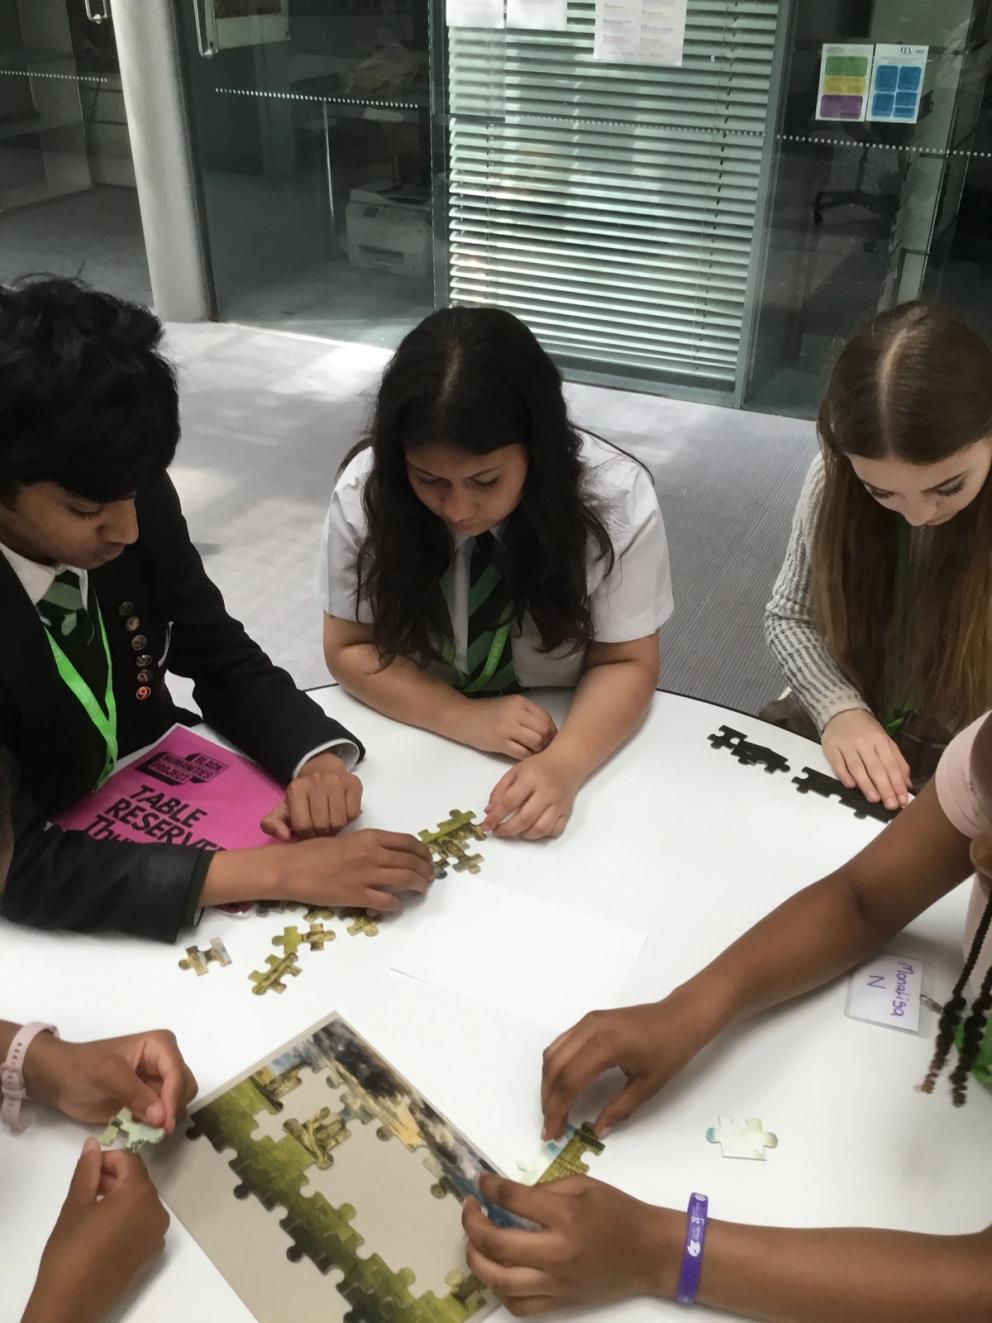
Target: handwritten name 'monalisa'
(900,1001)
(155,814)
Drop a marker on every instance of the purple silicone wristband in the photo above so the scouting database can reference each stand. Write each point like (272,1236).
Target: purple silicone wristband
(692,1255)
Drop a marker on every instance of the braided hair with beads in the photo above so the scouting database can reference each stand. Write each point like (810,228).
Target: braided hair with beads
(950,1018)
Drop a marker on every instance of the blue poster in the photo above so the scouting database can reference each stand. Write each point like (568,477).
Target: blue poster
(897,84)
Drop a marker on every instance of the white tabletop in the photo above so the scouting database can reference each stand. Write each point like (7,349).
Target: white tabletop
(674,838)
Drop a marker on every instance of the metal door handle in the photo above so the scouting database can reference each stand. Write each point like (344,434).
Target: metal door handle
(103,16)
(206,46)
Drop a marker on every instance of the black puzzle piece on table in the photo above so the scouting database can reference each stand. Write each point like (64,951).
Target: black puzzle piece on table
(829,787)
(750,755)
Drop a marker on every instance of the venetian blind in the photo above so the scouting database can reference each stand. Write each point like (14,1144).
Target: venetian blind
(612,206)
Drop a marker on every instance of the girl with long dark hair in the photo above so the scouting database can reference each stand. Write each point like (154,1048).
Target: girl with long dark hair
(881,617)
(477,545)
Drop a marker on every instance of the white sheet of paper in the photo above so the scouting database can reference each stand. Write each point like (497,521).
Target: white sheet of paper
(887,991)
(548,15)
(541,962)
(640,31)
(474,13)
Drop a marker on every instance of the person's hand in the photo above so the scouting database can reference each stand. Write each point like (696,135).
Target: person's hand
(534,799)
(92,1081)
(649,1043)
(512,725)
(324,798)
(593,1244)
(365,869)
(863,754)
(112,1225)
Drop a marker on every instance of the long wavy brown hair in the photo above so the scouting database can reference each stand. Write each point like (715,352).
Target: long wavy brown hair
(915,384)
(476,379)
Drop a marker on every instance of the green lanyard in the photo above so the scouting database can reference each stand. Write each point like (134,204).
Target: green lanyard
(896,713)
(105,718)
(465,685)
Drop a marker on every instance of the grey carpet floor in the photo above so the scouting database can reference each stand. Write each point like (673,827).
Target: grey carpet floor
(267,418)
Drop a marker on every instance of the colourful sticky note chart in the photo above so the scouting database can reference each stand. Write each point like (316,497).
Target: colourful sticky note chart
(897,84)
(845,77)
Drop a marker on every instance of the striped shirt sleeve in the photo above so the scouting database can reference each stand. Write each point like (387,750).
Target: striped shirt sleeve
(794,640)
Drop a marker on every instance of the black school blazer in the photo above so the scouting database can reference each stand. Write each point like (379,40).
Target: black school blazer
(62,879)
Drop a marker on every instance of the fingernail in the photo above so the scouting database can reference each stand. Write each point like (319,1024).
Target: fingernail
(89,1144)
(606,1130)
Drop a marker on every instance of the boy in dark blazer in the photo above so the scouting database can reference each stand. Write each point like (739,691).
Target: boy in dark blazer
(101,593)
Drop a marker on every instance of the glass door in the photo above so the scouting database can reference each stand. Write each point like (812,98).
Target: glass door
(313,135)
(68,204)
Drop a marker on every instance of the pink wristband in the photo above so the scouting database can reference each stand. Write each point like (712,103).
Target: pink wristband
(12,1074)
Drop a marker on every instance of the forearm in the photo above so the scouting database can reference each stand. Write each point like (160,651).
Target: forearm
(609,704)
(812,938)
(8,1031)
(810,668)
(402,690)
(782,1275)
(255,874)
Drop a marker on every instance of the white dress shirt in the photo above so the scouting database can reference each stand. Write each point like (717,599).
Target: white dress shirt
(36,579)
(629,602)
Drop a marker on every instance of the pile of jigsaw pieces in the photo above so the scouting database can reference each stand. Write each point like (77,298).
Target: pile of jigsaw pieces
(447,843)
(316,937)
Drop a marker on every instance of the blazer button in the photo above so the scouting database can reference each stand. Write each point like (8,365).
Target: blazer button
(131,624)
(126,609)
(145,677)
(144,660)
(142,693)
(139,643)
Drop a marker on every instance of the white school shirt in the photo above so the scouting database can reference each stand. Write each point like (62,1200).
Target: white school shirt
(629,602)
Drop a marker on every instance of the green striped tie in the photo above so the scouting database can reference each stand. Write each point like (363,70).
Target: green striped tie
(489,652)
(71,626)
(63,609)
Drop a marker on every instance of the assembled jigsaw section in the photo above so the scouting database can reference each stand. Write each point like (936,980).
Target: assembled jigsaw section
(827,786)
(287,965)
(750,755)
(274,1172)
(571,1160)
(448,843)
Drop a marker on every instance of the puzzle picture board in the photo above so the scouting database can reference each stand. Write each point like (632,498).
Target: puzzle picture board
(324,1186)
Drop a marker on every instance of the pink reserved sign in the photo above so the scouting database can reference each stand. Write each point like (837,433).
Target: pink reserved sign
(185,790)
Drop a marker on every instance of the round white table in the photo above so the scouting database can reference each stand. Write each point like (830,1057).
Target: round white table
(673,838)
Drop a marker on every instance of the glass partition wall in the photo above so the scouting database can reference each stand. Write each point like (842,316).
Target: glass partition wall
(67,196)
(312,126)
(711,227)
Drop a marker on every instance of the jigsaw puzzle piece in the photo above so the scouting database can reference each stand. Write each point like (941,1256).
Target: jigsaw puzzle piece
(317,936)
(314,913)
(364,922)
(289,939)
(215,954)
(532,1168)
(827,786)
(571,1160)
(270,980)
(124,1132)
(749,1140)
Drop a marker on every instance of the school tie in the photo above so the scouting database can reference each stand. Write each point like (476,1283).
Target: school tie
(489,652)
(71,625)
